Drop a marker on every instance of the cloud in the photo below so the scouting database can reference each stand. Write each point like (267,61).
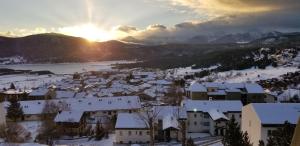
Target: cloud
(229,16)
(223,7)
(125,28)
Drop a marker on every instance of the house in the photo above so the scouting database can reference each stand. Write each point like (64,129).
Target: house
(260,119)
(40,94)
(71,122)
(212,115)
(34,110)
(94,107)
(168,122)
(2,115)
(197,91)
(131,128)
(255,93)
(246,92)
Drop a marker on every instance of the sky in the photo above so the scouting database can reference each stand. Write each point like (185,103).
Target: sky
(101,20)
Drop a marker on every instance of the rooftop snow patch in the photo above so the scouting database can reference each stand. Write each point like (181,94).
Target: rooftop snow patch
(206,105)
(254,88)
(197,87)
(69,116)
(130,120)
(277,113)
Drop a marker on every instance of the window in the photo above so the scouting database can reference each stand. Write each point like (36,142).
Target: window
(129,132)
(249,123)
(232,116)
(195,115)
(206,115)
(141,133)
(195,123)
(121,133)
(240,115)
(148,133)
(269,132)
(205,123)
(136,132)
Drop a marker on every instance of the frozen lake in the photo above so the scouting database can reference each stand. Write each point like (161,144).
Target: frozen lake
(66,68)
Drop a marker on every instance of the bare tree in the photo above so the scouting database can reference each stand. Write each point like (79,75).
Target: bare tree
(149,116)
(14,133)
(49,130)
(180,115)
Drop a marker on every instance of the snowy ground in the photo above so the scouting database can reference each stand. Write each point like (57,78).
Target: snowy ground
(32,127)
(197,135)
(25,81)
(236,76)
(86,142)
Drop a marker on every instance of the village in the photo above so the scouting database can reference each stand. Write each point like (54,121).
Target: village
(141,107)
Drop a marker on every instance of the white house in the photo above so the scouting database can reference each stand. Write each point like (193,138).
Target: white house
(211,116)
(95,107)
(168,122)
(131,128)
(260,119)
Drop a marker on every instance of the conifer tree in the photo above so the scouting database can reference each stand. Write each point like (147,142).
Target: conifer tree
(12,86)
(14,111)
(234,136)
(282,136)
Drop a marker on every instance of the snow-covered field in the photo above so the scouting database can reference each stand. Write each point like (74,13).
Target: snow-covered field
(24,81)
(236,76)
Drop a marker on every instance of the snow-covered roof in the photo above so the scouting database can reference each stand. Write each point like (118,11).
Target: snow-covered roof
(277,113)
(13,91)
(206,105)
(160,82)
(84,104)
(177,111)
(254,88)
(38,92)
(233,90)
(69,116)
(170,121)
(197,87)
(130,121)
(80,95)
(234,85)
(65,94)
(218,92)
(215,114)
(213,85)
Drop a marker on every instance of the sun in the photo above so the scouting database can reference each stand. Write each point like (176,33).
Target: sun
(88,31)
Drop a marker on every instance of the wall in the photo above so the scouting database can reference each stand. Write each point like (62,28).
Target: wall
(199,119)
(123,136)
(199,95)
(251,124)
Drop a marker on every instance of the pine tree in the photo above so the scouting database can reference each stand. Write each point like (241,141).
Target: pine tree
(14,110)
(282,136)
(190,142)
(246,141)
(12,86)
(261,143)
(233,135)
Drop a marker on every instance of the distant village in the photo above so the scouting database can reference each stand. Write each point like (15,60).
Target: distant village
(147,107)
